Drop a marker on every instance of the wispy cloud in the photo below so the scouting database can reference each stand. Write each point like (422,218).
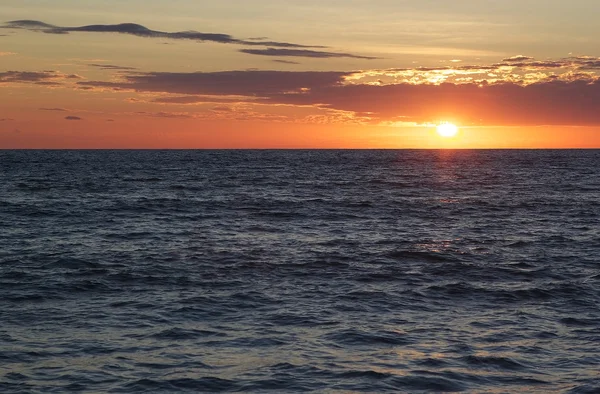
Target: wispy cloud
(73,118)
(221,108)
(285,61)
(185,100)
(170,115)
(53,109)
(42,78)
(142,31)
(302,53)
(517,58)
(111,67)
(28,76)
(275,48)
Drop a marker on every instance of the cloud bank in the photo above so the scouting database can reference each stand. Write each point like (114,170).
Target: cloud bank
(517,91)
(545,102)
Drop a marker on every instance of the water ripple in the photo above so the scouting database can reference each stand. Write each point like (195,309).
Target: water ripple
(286,271)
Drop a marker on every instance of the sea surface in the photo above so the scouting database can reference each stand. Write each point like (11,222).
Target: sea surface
(296,271)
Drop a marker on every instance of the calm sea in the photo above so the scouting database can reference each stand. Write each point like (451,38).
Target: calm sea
(288,271)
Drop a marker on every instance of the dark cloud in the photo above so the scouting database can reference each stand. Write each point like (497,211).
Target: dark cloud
(112,67)
(29,25)
(547,102)
(42,78)
(543,103)
(301,53)
(240,83)
(142,31)
(73,118)
(53,109)
(6,119)
(587,62)
(28,76)
(285,61)
(518,58)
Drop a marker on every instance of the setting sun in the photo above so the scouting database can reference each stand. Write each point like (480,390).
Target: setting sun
(447,130)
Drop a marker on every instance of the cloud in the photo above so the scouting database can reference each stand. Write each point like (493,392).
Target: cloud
(179,100)
(276,48)
(6,119)
(285,61)
(48,83)
(142,31)
(221,108)
(302,53)
(548,101)
(542,103)
(183,100)
(237,83)
(519,72)
(29,24)
(518,58)
(170,115)
(27,76)
(564,91)
(49,78)
(111,67)
(73,118)
(53,109)
(7,53)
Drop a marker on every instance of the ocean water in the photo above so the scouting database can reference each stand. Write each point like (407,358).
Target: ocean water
(294,271)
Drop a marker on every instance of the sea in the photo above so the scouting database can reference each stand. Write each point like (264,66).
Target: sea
(329,271)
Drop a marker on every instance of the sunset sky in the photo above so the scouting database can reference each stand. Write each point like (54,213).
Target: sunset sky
(299,73)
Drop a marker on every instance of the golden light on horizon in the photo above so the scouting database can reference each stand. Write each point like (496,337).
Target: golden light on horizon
(447,130)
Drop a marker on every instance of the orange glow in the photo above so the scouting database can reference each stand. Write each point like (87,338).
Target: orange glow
(130,132)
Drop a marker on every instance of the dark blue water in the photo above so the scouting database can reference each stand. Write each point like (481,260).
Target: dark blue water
(335,271)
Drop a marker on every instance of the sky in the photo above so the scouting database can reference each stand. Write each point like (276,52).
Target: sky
(299,73)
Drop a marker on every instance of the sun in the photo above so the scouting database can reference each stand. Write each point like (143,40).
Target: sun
(447,130)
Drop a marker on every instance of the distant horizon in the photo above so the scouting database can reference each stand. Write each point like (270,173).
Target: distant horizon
(291,149)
